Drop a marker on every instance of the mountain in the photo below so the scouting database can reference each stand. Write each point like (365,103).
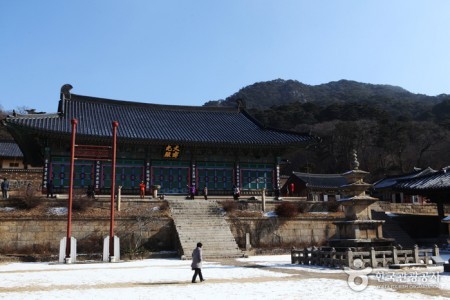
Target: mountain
(393,99)
(392,129)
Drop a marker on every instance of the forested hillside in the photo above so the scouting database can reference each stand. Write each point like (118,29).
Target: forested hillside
(392,129)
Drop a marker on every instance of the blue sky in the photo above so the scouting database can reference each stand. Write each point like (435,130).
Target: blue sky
(189,52)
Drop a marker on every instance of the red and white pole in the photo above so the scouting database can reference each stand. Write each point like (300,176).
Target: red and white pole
(115,124)
(74,123)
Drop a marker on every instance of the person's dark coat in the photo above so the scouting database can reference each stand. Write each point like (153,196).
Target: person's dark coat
(197,258)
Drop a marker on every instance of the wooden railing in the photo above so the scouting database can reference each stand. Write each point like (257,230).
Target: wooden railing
(356,258)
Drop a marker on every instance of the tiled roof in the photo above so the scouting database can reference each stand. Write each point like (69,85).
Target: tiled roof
(10,149)
(439,180)
(321,180)
(157,123)
(389,182)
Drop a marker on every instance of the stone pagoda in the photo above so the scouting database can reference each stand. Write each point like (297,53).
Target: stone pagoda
(358,229)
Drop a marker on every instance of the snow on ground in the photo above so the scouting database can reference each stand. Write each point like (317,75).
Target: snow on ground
(58,211)
(7,209)
(258,277)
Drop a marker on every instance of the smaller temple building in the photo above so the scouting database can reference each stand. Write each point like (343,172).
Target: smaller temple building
(18,173)
(315,187)
(10,156)
(385,189)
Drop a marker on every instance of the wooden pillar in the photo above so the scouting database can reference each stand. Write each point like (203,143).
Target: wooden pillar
(443,228)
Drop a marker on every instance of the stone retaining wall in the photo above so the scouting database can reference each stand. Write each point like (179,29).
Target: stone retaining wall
(413,209)
(22,235)
(33,235)
(273,232)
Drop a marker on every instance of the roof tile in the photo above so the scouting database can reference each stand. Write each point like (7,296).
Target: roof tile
(141,121)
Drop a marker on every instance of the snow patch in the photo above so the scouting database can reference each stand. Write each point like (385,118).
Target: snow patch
(7,209)
(57,211)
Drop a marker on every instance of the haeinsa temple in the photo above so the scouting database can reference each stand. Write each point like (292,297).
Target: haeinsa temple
(169,146)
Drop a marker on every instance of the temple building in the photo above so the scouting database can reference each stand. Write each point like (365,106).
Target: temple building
(10,156)
(385,189)
(315,187)
(169,146)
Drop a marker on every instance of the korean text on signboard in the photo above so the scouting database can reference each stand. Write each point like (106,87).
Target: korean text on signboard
(172,151)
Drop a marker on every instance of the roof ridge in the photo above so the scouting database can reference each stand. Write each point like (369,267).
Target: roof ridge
(317,174)
(29,116)
(91,99)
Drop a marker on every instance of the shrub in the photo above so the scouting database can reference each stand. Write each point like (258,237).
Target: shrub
(287,210)
(242,205)
(28,203)
(27,199)
(302,207)
(229,206)
(332,206)
(91,244)
(164,206)
(81,204)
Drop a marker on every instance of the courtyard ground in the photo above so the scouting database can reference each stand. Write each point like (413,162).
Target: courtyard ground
(256,277)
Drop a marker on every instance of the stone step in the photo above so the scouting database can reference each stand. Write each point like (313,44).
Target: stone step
(197,211)
(214,231)
(391,229)
(197,235)
(202,227)
(193,231)
(223,244)
(200,220)
(206,234)
(216,251)
(203,230)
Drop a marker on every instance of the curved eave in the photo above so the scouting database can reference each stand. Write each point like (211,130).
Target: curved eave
(307,140)
(322,187)
(419,191)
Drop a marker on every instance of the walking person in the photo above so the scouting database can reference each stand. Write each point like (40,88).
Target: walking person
(142,189)
(192,191)
(50,187)
(236,192)
(5,188)
(205,192)
(197,259)
(277,193)
(90,192)
(29,192)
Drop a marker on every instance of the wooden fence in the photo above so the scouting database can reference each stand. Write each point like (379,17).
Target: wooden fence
(357,258)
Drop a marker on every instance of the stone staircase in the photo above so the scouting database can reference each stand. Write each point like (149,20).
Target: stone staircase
(391,229)
(202,221)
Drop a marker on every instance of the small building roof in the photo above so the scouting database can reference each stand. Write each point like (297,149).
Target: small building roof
(321,180)
(390,182)
(436,181)
(9,149)
(142,122)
